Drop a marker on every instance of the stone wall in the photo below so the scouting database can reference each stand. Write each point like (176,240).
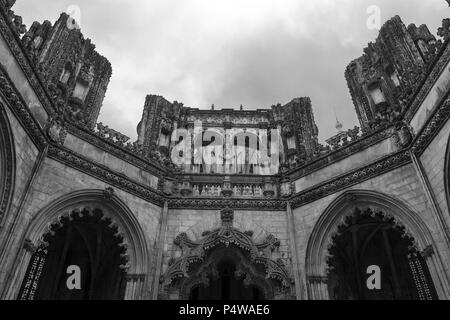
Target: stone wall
(55,180)
(401,184)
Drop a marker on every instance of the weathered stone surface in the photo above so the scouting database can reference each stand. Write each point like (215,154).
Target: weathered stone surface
(164,215)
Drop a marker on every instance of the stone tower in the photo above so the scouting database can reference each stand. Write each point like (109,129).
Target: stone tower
(74,71)
(294,122)
(159,119)
(382,81)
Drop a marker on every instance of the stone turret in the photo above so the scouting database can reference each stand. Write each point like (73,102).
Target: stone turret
(382,81)
(76,74)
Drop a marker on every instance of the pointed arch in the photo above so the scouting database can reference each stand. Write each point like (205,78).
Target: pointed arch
(112,207)
(114,210)
(336,214)
(7,163)
(447,174)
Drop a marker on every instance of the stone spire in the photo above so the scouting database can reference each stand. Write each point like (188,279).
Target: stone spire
(339,125)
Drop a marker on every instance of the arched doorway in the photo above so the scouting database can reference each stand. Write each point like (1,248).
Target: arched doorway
(226,285)
(363,228)
(227,264)
(368,239)
(84,239)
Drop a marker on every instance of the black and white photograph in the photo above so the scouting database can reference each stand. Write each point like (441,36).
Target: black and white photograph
(223,156)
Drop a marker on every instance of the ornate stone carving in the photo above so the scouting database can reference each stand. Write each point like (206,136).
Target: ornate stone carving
(29,246)
(112,135)
(382,84)
(351,178)
(227,217)
(444,31)
(108,193)
(183,271)
(104,174)
(286,187)
(403,136)
(427,252)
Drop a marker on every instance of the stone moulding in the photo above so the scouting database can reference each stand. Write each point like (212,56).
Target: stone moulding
(357,176)
(23,114)
(15,45)
(103,173)
(116,150)
(242,204)
(434,71)
(21,111)
(8,165)
(343,152)
(432,127)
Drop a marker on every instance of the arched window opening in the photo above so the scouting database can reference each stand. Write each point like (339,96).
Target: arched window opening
(66,73)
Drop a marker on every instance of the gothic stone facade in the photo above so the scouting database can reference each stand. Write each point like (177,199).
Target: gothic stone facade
(141,227)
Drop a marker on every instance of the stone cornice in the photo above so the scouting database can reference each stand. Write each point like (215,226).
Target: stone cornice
(238,204)
(33,76)
(340,154)
(349,179)
(18,106)
(434,71)
(103,173)
(432,127)
(116,150)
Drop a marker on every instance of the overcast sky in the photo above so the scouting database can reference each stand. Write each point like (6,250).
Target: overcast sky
(231,52)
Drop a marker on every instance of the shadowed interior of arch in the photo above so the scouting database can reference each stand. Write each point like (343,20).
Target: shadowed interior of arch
(370,239)
(88,241)
(226,285)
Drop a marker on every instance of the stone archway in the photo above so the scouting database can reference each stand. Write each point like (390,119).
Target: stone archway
(7,162)
(369,239)
(85,239)
(227,264)
(114,212)
(447,174)
(226,274)
(385,212)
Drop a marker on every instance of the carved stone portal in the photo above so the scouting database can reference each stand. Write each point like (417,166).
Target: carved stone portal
(249,266)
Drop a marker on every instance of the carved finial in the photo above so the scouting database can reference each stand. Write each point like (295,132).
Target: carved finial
(108,193)
(444,31)
(29,246)
(227,217)
(428,251)
(339,125)
(350,197)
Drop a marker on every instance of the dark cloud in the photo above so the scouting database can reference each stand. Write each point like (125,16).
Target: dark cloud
(251,52)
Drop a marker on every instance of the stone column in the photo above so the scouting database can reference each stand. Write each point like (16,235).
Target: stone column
(318,288)
(134,287)
(294,253)
(437,275)
(160,250)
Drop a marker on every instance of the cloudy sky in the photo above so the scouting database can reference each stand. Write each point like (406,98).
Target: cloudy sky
(231,52)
